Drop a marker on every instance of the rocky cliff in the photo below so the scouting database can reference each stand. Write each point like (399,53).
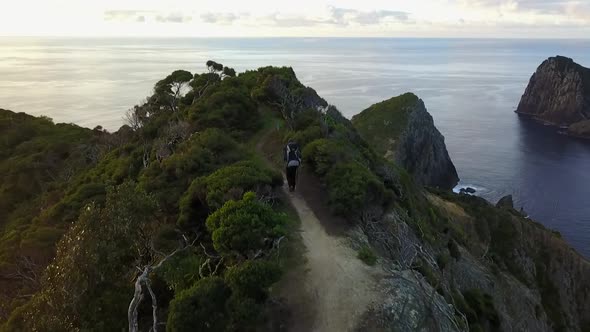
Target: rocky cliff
(403,131)
(558,93)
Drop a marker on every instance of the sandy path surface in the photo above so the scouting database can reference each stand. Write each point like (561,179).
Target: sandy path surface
(335,288)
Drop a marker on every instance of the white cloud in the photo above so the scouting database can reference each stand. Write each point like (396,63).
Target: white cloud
(220,18)
(435,18)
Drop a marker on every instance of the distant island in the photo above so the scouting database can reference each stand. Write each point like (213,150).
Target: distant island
(558,94)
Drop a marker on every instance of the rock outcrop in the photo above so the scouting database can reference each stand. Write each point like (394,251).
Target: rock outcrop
(403,131)
(506,202)
(558,93)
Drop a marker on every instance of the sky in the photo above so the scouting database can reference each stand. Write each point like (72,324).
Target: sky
(306,18)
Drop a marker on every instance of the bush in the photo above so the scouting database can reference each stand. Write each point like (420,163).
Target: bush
(215,189)
(442,260)
(200,155)
(249,283)
(367,255)
(200,308)
(252,278)
(322,154)
(454,249)
(241,227)
(482,305)
(304,137)
(181,271)
(351,187)
(229,108)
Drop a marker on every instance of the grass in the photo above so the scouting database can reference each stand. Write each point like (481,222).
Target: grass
(367,255)
(479,309)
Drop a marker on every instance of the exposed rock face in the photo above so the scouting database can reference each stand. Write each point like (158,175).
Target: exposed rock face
(530,278)
(558,93)
(506,202)
(402,129)
(580,129)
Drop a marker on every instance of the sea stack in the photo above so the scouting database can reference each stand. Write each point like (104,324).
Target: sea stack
(403,131)
(558,93)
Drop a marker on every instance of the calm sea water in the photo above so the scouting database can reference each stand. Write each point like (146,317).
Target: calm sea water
(471,87)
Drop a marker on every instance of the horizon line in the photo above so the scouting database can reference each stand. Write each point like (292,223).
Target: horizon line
(289,37)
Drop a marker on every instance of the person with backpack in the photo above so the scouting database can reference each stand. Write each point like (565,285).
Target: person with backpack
(292,157)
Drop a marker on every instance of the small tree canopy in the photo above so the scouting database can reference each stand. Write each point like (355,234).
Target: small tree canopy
(229,72)
(240,227)
(200,308)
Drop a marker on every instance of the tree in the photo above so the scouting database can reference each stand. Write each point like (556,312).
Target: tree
(201,84)
(228,72)
(133,118)
(243,228)
(200,308)
(214,67)
(86,286)
(170,89)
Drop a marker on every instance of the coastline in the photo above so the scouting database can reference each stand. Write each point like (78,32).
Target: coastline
(560,129)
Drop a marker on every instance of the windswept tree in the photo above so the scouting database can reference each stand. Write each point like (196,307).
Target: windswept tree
(201,83)
(220,69)
(214,67)
(170,89)
(228,72)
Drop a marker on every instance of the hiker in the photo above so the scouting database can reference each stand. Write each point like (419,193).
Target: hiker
(292,157)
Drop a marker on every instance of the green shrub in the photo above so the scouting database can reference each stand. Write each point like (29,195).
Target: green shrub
(249,283)
(200,308)
(209,193)
(307,119)
(442,260)
(201,154)
(215,189)
(241,227)
(351,187)
(454,249)
(482,305)
(425,269)
(321,155)
(305,136)
(367,255)
(252,278)
(229,108)
(181,271)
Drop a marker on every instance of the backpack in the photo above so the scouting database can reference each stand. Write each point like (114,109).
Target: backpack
(293,154)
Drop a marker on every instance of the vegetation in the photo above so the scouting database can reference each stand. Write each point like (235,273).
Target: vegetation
(174,192)
(177,197)
(383,123)
(367,255)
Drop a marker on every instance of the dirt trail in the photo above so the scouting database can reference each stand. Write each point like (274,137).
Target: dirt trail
(337,287)
(332,289)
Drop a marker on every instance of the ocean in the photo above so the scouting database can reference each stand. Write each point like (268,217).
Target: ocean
(470,86)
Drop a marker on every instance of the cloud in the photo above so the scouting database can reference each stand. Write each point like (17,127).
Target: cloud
(141,16)
(125,15)
(338,17)
(549,7)
(173,18)
(578,10)
(345,16)
(293,21)
(220,18)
